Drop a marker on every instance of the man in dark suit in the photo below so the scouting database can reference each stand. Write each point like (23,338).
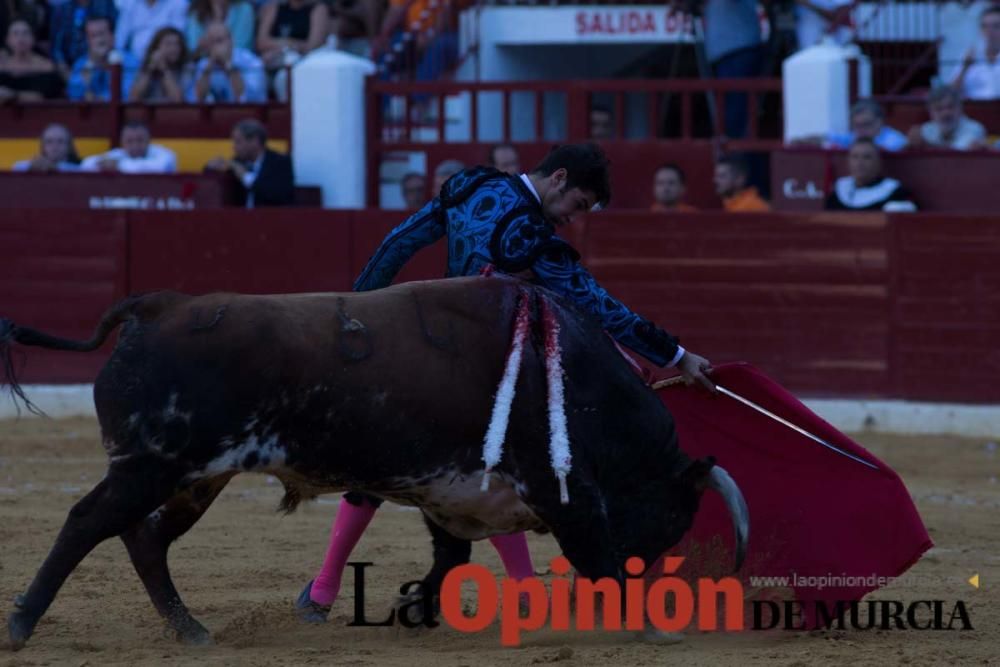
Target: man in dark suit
(264,177)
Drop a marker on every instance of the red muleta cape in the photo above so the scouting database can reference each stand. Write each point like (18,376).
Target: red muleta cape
(813,512)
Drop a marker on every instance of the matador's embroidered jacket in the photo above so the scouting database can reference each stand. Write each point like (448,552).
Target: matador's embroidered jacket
(492,218)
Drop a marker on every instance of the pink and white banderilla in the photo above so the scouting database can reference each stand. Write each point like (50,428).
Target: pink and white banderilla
(558,435)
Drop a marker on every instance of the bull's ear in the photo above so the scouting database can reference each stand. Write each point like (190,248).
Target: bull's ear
(697,473)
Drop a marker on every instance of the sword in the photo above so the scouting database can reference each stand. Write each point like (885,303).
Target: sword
(768,413)
(792,426)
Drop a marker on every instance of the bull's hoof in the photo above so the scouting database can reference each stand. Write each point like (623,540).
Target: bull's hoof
(194,634)
(19,628)
(308,610)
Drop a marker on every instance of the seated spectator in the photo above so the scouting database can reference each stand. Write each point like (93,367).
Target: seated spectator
(68,26)
(866,189)
(414,185)
(602,124)
(238,16)
(165,75)
(948,126)
(354,23)
(504,157)
(26,76)
(141,20)
(135,156)
(288,30)
(265,177)
(867,122)
(228,73)
(434,44)
(731,175)
(669,190)
(978,77)
(32,11)
(90,80)
(56,152)
(444,171)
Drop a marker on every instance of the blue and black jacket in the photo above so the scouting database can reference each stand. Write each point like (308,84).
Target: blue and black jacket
(490,217)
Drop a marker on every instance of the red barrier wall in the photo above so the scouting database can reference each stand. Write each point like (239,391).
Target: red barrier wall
(945,299)
(803,297)
(939,180)
(873,305)
(59,273)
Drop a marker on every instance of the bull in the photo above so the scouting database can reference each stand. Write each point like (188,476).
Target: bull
(389,392)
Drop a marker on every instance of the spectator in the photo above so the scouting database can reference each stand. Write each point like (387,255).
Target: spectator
(978,77)
(56,152)
(504,157)
(414,186)
(948,126)
(866,189)
(265,177)
(32,11)
(288,30)
(416,16)
(165,75)
(669,190)
(238,16)
(734,49)
(444,171)
(90,79)
(867,122)
(816,19)
(354,23)
(26,76)
(141,20)
(731,174)
(67,30)
(135,156)
(228,74)
(602,124)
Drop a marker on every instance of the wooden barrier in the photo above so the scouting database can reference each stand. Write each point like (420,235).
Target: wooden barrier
(158,192)
(900,306)
(939,180)
(114,190)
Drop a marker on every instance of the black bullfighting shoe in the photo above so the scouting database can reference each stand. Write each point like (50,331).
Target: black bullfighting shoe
(308,610)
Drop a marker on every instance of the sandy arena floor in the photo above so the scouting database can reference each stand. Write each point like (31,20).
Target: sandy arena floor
(242,565)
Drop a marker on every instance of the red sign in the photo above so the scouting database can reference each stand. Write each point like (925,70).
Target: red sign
(630,22)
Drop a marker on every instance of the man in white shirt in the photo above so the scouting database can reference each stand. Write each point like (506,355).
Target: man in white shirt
(140,19)
(227,73)
(978,77)
(136,155)
(948,126)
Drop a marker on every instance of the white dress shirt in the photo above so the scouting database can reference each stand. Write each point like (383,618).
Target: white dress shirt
(250,177)
(982,79)
(157,160)
(967,133)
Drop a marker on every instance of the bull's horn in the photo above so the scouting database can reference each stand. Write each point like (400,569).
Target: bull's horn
(719,480)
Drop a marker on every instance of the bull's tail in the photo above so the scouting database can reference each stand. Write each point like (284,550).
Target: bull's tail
(11,333)
(719,480)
